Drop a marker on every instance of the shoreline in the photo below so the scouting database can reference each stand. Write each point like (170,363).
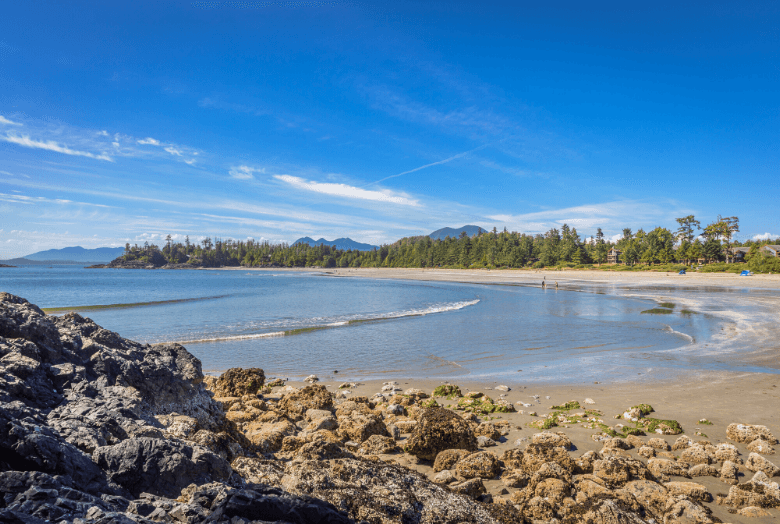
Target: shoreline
(747,339)
(534,277)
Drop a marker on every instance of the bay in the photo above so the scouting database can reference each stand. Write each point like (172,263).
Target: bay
(296,323)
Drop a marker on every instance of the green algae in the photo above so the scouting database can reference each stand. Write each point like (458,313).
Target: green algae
(568,406)
(448,391)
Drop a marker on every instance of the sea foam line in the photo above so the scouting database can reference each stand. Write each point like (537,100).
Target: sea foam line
(297,331)
(680,333)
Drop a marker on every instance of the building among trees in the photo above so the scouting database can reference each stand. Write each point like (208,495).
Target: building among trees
(771,250)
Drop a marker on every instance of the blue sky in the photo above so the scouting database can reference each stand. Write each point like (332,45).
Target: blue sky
(378,120)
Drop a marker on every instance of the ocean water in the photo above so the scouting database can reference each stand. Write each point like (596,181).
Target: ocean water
(293,324)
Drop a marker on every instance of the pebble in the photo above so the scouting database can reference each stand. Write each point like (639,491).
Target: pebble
(395,409)
(503,388)
(589,401)
(485,442)
(311,379)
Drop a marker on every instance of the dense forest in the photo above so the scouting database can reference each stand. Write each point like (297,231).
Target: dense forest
(557,248)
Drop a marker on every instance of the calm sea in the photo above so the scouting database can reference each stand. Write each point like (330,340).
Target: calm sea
(295,324)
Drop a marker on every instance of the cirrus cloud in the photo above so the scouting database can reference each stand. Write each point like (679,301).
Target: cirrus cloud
(51,145)
(4,120)
(347,191)
(245,172)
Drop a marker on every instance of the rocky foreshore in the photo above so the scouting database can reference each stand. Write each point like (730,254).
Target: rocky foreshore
(98,428)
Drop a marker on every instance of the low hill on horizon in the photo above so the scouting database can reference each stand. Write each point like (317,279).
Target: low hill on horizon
(441,234)
(339,243)
(77,254)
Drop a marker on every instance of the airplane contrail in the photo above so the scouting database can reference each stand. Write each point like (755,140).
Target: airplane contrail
(459,155)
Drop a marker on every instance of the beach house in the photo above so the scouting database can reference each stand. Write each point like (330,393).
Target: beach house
(771,250)
(737,254)
(613,257)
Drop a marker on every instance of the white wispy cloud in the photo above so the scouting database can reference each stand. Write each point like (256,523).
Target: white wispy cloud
(245,172)
(612,216)
(190,162)
(765,236)
(172,150)
(4,120)
(467,119)
(25,199)
(149,141)
(346,191)
(51,145)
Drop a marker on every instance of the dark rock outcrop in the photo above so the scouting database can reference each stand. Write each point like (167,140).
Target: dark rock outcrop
(160,467)
(274,505)
(103,429)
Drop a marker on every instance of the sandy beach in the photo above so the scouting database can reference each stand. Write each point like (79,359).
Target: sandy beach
(532,277)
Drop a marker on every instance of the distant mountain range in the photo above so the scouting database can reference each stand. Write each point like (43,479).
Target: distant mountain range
(339,243)
(104,255)
(77,254)
(441,234)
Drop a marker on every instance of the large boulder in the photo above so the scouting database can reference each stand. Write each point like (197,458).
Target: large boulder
(237,382)
(384,493)
(269,504)
(747,433)
(269,436)
(483,465)
(361,423)
(439,429)
(756,462)
(160,467)
(448,458)
(296,403)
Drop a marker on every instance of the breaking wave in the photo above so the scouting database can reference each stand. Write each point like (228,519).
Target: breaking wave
(439,308)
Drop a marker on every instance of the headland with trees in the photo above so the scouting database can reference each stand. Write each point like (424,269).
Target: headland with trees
(712,248)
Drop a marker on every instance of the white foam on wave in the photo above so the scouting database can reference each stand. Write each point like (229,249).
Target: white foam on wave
(439,308)
(232,337)
(429,310)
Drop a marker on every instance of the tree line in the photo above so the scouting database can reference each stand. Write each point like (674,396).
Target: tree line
(564,248)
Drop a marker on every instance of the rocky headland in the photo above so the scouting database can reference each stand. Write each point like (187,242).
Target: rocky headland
(98,428)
